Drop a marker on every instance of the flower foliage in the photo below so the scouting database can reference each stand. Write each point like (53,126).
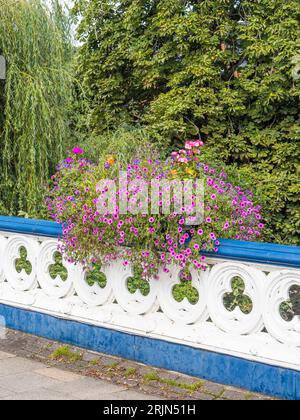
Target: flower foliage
(97,231)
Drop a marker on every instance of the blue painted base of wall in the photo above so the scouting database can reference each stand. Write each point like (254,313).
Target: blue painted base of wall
(230,370)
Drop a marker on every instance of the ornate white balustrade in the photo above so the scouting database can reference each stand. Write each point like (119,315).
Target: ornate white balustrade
(261,333)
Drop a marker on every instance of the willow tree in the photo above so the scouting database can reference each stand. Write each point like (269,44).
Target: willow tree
(34,123)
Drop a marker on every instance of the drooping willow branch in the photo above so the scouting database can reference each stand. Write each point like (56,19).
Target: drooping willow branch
(34,111)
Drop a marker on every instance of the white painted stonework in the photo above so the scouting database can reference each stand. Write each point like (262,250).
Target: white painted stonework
(261,335)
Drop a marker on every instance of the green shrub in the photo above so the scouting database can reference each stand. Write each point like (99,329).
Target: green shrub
(124,144)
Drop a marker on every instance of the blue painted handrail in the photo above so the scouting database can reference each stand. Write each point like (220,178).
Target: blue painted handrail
(263,253)
(30,226)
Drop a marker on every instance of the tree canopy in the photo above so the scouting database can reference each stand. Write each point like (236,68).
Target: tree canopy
(221,69)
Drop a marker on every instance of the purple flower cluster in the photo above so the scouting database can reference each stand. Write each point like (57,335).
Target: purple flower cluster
(96,232)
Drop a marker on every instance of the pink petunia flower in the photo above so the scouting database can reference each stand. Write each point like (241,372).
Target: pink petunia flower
(78,151)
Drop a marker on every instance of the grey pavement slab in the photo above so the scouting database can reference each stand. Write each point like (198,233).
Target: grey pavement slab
(5,393)
(4,355)
(16,365)
(134,395)
(59,375)
(40,395)
(23,379)
(26,381)
(88,388)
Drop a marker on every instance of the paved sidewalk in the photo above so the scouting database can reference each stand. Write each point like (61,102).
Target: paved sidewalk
(23,379)
(34,368)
